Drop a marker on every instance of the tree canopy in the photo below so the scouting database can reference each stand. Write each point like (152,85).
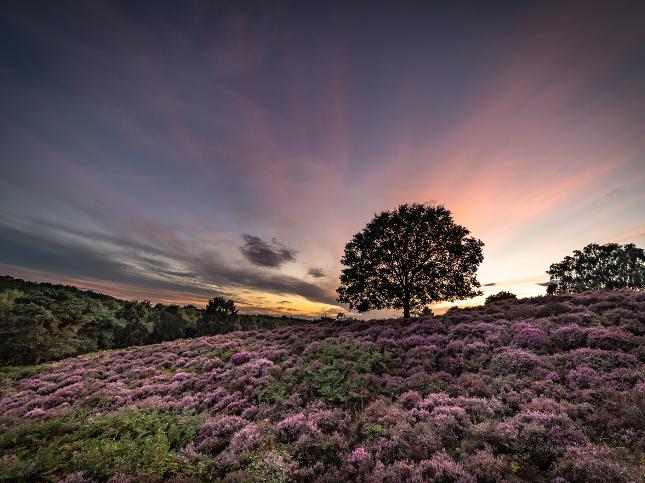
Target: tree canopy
(409,257)
(600,267)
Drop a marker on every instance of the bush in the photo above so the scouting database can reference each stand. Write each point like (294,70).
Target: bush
(530,337)
(22,372)
(503,295)
(592,463)
(340,373)
(215,433)
(141,443)
(568,337)
(487,466)
(609,338)
(514,362)
(290,428)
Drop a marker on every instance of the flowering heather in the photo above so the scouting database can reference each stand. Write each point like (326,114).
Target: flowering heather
(547,389)
(290,428)
(241,357)
(358,455)
(530,336)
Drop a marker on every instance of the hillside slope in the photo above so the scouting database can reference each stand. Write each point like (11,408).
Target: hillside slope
(533,389)
(42,322)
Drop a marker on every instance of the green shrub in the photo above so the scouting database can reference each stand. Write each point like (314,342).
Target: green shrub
(22,372)
(320,448)
(137,443)
(270,467)
(375,431)
(340,373)
(223,355)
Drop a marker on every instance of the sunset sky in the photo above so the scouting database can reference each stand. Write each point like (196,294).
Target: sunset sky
(177,152)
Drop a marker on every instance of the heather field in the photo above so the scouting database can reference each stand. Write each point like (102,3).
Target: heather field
(544,389)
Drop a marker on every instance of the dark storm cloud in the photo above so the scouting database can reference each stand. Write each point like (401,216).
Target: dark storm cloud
(53,248)
(316,272)
(265,254)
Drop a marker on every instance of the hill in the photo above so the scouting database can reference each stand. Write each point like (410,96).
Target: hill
(517,390)
(43,321)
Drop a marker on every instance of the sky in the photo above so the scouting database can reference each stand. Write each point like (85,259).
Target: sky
(176,151)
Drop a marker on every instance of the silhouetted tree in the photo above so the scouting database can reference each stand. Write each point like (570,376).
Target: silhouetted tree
(220,307)
(411,256)
(600,267)
(503,295)
(218,317)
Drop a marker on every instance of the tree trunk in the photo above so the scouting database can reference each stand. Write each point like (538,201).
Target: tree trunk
(406,310)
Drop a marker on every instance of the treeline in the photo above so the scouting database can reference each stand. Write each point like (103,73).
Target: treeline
(42,322)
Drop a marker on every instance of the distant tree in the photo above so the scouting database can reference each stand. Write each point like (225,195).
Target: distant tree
(600,267)
(98,332)
(167,323)
(220,306)
(503,295)
(7,301)
(27,335)
(218,317)
(137,327)
(191,316)
(408,257)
